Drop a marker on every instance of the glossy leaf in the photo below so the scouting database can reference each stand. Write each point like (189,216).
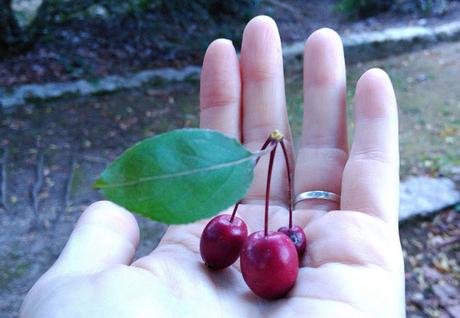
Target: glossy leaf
(180,176)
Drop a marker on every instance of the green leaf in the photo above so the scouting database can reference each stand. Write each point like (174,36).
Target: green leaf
(180,176)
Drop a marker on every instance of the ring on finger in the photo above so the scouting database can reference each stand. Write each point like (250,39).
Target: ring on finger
(318,195)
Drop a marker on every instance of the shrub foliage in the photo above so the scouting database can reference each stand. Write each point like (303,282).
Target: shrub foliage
(168,14)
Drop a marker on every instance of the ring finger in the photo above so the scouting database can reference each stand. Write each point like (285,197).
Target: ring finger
(323,149)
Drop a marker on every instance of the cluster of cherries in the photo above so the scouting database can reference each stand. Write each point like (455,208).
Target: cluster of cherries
(269,260)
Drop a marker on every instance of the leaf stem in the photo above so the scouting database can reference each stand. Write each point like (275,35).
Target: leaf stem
(270,146)
(267,192)
(288,169)
(269,139)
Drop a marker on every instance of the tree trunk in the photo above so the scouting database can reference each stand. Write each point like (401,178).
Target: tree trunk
(13,38)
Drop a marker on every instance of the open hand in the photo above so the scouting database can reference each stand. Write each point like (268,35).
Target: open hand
(353,266)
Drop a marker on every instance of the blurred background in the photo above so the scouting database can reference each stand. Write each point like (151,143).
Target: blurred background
(82,80)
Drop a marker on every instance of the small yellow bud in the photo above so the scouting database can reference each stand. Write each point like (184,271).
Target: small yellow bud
(276,135)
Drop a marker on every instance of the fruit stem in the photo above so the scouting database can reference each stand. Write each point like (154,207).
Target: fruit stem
(288,169)
(234,211)
(267,192)
(265,145)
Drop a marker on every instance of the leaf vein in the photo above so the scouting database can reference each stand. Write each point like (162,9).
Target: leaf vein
(178,174)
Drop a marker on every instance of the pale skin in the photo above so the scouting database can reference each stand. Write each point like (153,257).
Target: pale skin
(353,265)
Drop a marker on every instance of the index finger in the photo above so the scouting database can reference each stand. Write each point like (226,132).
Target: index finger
(220,89)
(371,176)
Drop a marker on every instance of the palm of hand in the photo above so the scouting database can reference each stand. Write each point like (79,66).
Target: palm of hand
(353,265)
(339,278)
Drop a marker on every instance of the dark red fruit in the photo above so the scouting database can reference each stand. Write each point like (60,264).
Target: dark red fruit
(221,241)
(297,236)
(269,264)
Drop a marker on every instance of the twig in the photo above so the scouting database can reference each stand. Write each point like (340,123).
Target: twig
(94,159)
(67,190)
(3,184)
(68,186)
(38,184)
(450,241)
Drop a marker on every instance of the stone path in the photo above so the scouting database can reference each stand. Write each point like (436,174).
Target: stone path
(358,47)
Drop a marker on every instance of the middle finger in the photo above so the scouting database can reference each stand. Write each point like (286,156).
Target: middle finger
(264,104)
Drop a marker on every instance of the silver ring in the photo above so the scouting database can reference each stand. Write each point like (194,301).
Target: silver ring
(322,195)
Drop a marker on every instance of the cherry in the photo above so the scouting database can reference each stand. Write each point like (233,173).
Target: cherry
(224,235)
(297,236)
(269,264)
(221,240)
(269,261)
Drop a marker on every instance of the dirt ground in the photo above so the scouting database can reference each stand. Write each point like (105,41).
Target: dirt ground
(428,101)
(94,48)
(432,259)
(55,150)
